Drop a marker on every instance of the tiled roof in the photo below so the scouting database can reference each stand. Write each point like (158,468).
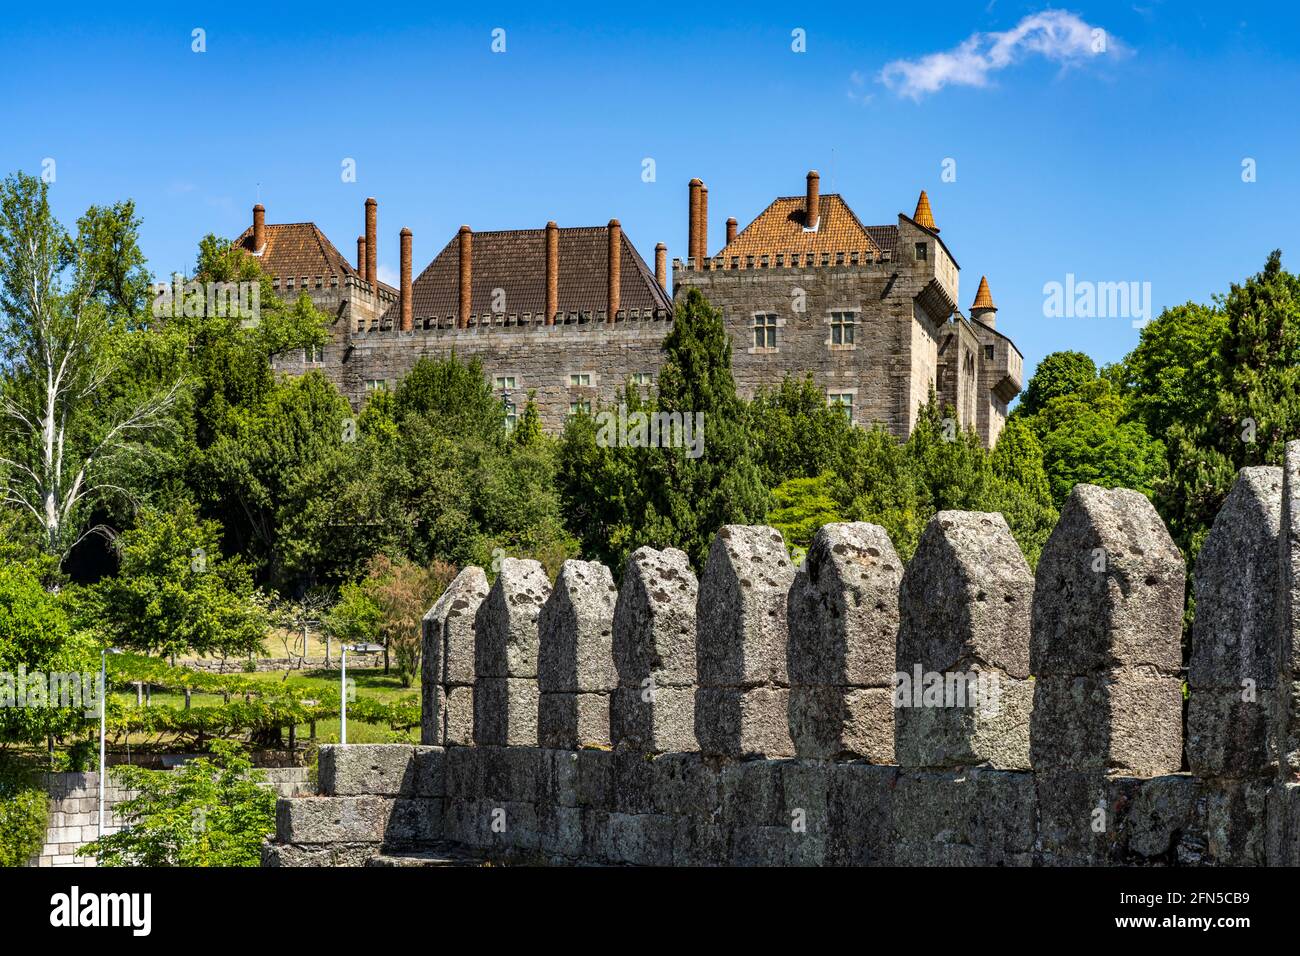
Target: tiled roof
(983,298)
(779,229)
(298,249)
(923,216)
(514,260)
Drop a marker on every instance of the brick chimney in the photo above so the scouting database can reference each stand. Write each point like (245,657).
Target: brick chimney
(614,270)
(812,205)
(661,265)
(466,274)
(703,232)
(693,222)
(552,271)
(259,228)
(372,241)
(361,256)
(405,285)
(731,230)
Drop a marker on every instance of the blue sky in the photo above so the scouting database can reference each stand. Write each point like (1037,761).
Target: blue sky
(1122,165)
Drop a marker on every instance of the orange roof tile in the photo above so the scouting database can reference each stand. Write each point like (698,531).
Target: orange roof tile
(983,298)
(298,249)
(923,216)
(779,229)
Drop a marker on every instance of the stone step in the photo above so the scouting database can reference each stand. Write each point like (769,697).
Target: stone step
(440,854)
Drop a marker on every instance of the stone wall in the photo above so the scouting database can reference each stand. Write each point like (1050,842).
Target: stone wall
(960,710)
(74,810)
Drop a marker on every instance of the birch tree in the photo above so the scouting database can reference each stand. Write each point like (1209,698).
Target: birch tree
(70,426)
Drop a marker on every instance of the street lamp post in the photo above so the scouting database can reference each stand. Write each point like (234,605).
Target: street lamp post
(343,683)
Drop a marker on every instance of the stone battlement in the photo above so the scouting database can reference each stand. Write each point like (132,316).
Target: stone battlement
(809,260)
(959,710)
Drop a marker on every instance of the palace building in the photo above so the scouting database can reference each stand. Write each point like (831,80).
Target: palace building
(571,314)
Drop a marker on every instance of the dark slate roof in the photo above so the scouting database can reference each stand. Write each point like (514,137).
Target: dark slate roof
(515,260)
(298,249)
(886,237)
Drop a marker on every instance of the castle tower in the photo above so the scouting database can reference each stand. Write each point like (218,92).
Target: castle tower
(983,309)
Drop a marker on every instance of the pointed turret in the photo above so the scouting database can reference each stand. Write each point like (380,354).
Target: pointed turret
(923,216)
(983,309)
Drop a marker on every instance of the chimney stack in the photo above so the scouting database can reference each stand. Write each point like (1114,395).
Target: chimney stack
(661,265)
(812,206)
(731,230)
(552,271)
(372,242)
(704,225)
(466,274)
(361,256)
(693,221)
(614,269)
(405,284)
(259,228)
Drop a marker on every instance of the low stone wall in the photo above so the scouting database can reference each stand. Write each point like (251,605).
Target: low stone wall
(961,710)
(74,810)
(268,664)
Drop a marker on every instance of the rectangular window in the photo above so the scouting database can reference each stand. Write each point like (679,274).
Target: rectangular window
(988,353)
(642,378)
(313,354)
(922,252)
(376,385)
(580,380)
(502,383)
(512,416)
(842,401)
(842,325)
(765,331)
(579,408)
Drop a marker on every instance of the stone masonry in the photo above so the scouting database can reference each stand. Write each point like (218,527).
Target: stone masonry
(1095,632)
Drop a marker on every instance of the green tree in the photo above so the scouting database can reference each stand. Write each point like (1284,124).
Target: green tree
(1024,491)
(175,592)
(796,434)
(69,436)
(1059,373)
(800,507)
(38,640)
(211,811)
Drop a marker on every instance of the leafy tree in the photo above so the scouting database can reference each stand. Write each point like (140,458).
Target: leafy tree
(24,814)
(796,434)
(800,507)
(357,617)
(880,485)
(669,495)
(1059,373)
(403,592)
(1025,493)
(175,592)
(456,393)
(211,811)
(67,305)
(38,641)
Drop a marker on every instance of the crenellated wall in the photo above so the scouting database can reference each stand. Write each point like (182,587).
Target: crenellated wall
(960,710)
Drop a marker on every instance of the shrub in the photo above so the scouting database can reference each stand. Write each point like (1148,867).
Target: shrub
(24,814)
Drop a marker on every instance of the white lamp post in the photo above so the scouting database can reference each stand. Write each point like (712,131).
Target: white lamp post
(343,683)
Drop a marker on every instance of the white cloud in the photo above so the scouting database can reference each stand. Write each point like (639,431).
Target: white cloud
(1055,35)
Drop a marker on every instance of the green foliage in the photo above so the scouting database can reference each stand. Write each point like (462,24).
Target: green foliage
(175,592)
(1059,373)
(212,811)
(619,497)
(800,507)
(37,641)
(24,814)
(1085,425)
(796,434)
